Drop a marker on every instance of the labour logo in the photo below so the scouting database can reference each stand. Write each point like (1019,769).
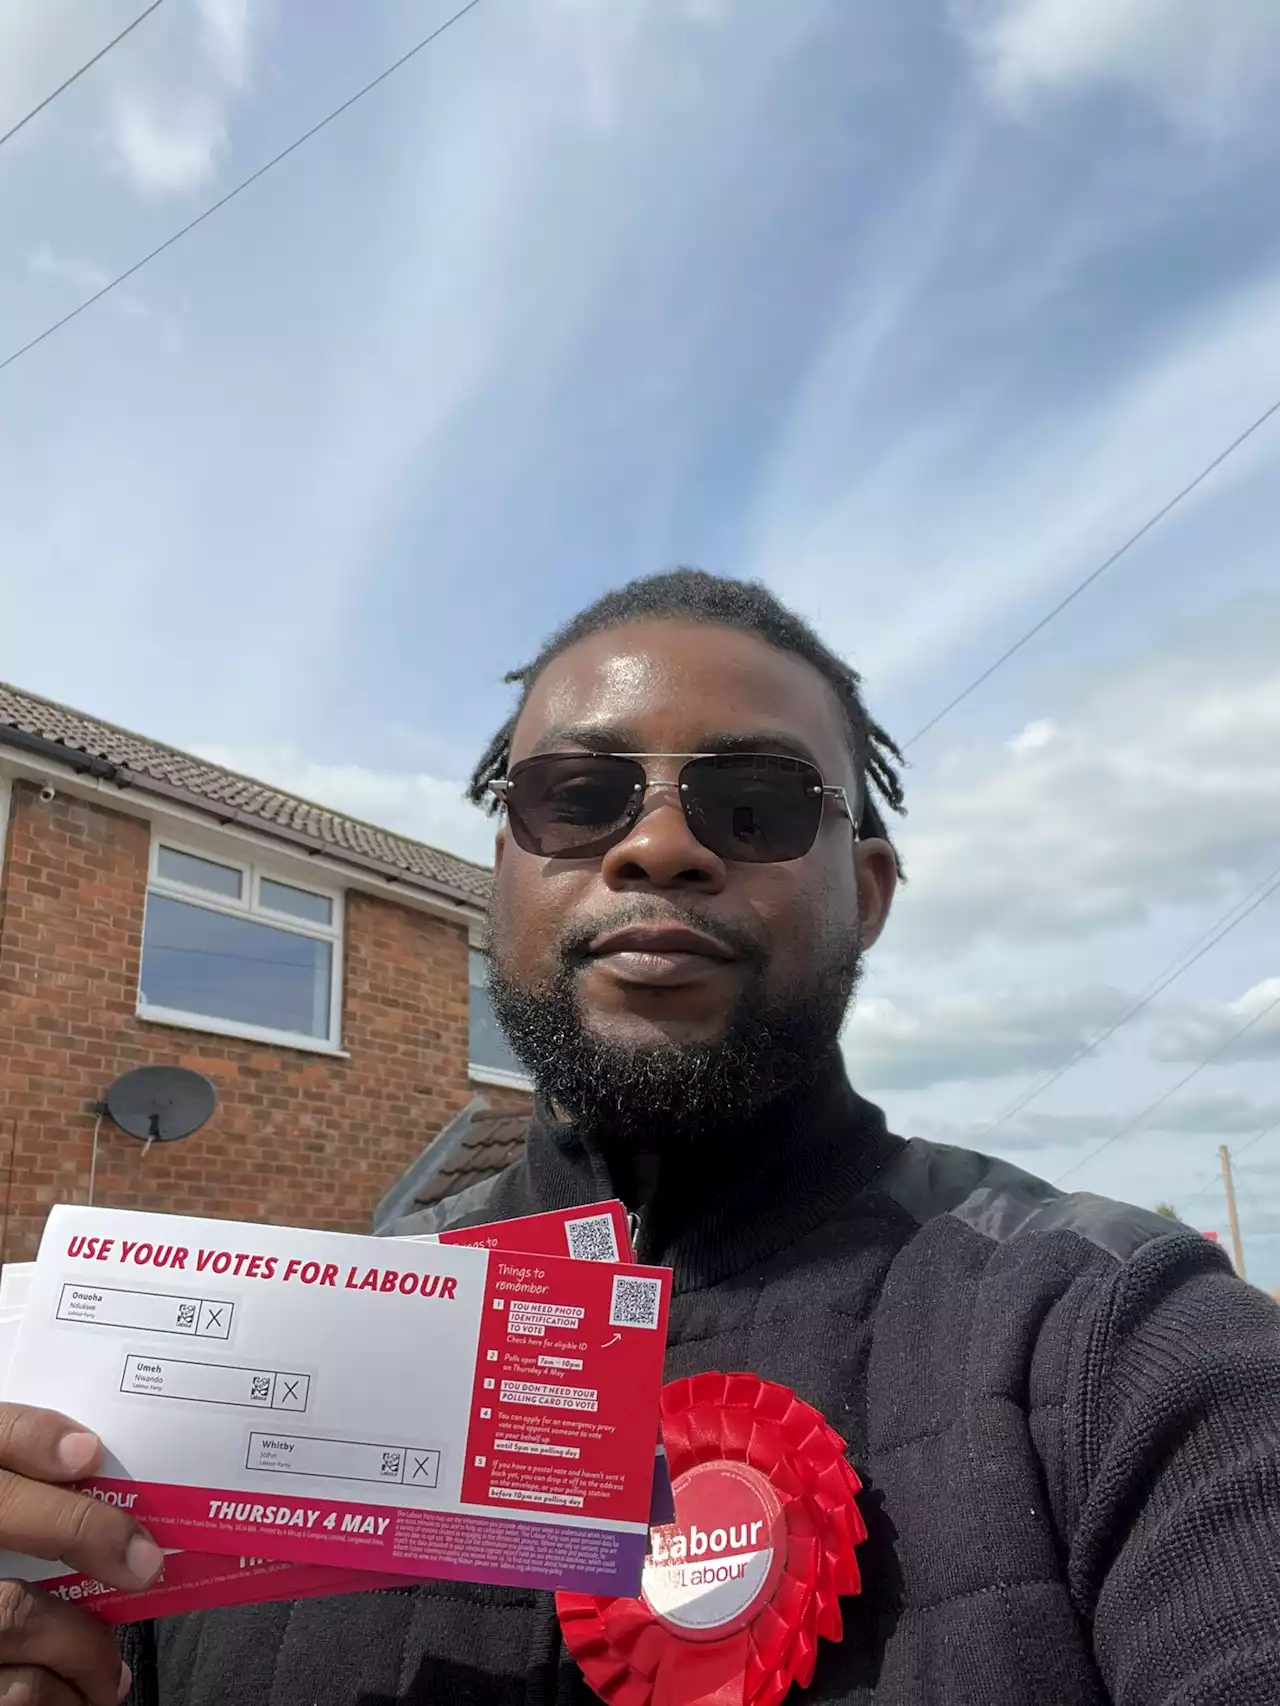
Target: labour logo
(710,1570)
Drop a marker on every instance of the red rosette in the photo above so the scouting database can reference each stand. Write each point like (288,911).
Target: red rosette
(741,1587)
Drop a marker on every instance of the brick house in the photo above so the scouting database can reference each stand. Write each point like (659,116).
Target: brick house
(323,973)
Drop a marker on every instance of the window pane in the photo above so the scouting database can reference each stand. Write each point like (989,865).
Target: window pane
(216,966)
(488,1045)
(298,903)
(199,873)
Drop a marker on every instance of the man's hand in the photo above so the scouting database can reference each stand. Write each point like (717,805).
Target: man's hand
(50,1653)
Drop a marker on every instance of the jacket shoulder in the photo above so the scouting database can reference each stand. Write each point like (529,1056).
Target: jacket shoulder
(1003,1203)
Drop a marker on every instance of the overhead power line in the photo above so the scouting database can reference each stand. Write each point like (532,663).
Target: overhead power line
(77,75)
(1172,972)
(1097,573)
(1160,1101)
(239,189)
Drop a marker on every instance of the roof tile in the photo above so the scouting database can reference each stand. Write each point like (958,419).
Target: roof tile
(494,1139)
(454,877)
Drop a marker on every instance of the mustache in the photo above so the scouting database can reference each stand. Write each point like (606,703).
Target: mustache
(641,911)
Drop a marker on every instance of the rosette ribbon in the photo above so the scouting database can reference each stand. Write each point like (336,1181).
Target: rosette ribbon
(731,1438)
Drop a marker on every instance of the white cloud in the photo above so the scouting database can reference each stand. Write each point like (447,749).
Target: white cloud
(171,102)
(426,808)
(1226,1113)
(1023,497)
(171,107)
(895,1045)
(167,146)
(70,269)
(226,29)
(163,95)
(1195,1032)
(43,45)
(85,278)
(1034,736)
(1222,1116)
(1156,788)
(1203,61)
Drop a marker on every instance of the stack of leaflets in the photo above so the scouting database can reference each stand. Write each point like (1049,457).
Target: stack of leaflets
(294,1414)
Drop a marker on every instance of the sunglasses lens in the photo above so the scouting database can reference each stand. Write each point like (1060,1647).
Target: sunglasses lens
(753,807)
(567,804)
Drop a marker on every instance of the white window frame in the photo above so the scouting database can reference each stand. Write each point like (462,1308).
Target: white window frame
(248,906)
(499,1076)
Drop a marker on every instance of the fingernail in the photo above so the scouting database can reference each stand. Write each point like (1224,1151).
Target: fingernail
(144,1559)
(77,1451)
(126,1683)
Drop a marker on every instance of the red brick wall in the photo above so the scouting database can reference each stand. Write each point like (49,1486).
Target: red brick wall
(297,1137)
(499,1096)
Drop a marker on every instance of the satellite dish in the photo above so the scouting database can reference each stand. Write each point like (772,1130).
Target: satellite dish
(161,1102)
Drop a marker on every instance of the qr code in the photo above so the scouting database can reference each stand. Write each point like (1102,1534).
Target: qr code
(592,1240)
(391,1465)
(260,1388)
(635,1302)
(186,1315)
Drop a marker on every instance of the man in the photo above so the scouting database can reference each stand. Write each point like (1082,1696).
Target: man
(1066,1413)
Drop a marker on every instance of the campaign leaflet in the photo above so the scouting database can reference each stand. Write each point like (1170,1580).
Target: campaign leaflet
(556,1448)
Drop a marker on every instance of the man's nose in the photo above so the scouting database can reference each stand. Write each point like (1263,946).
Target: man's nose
(660,850)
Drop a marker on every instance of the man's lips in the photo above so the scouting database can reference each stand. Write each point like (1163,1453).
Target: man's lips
(659,955)
(659,939)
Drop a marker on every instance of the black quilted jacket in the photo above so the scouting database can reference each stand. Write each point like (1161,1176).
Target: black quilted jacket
(1066,1414)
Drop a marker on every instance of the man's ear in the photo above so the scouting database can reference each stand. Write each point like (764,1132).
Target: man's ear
(499,846)
(876,871)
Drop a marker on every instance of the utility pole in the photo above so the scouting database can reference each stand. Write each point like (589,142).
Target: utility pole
(1233,1217)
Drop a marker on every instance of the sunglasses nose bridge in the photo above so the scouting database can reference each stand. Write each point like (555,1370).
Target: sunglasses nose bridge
(655,795)
(662,776)
(662,772)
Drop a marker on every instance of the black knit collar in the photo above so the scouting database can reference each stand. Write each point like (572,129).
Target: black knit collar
(742,1194)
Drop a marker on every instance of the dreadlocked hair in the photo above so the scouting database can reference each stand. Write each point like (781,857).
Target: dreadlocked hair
(691,595)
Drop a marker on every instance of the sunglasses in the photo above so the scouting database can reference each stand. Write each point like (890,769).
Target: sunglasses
(753,807)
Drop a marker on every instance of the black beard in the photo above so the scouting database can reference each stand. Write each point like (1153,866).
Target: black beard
(643,1097)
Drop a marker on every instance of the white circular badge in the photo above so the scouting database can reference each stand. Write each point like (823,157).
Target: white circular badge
(710,1570)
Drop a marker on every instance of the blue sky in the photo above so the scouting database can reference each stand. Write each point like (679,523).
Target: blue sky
(915,310)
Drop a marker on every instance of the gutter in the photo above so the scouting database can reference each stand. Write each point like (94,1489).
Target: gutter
(106,770)
(83,763)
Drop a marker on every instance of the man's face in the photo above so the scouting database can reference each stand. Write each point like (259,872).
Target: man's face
(622,1032)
